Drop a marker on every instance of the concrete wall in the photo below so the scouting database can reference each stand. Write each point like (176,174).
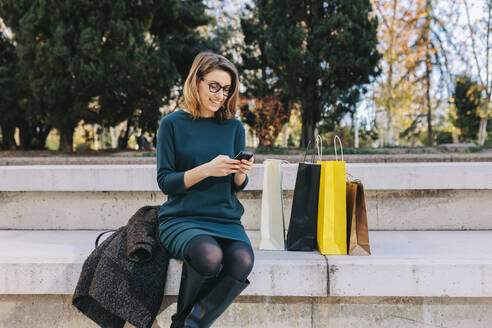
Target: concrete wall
(56,311)
(375,176)
(387,209)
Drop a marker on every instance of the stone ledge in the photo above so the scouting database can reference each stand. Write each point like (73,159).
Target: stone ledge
(376,176)
(417,263)
(49,262)
(386,209)
(403,263)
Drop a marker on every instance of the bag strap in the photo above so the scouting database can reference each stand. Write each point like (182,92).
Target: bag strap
(319,149)
(307,150)
(100,235)
(335,146)
(282,200)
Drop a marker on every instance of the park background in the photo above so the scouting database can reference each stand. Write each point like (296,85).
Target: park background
(380,73)
(406,81)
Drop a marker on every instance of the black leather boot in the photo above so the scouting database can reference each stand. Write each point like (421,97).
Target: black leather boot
(193,286)
(209,308)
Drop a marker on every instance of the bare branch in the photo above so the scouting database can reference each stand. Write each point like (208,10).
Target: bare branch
(472,37)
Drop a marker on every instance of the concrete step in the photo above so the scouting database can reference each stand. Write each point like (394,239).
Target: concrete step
(49,262)
(403,263)
(401,196)
(375,176)
(386,210)
(137,157)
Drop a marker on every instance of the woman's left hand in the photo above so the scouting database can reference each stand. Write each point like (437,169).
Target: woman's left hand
(246,165)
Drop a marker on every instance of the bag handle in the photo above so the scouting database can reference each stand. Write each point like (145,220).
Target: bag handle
(335,146)
(319,149)
(282,200)
(100,235)
(307,150)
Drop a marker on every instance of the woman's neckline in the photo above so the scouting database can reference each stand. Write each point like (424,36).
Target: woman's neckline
(187,113)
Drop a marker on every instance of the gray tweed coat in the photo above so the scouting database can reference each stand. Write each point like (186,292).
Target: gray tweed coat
(123,279)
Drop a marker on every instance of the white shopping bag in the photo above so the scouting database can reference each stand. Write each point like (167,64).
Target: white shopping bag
(272,210)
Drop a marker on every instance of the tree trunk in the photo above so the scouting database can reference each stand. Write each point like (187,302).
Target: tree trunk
(66,139)
(25,136)
(428,71)
(308,125)
(42,135)
(430,137)
(482,130)
(8,140)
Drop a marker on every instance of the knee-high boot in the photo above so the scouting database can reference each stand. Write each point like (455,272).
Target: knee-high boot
(193,286)
(209,308)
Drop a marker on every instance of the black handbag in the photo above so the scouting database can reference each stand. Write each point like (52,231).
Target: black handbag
(301,235)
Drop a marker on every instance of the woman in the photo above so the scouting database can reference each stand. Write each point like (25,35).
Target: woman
(200,222)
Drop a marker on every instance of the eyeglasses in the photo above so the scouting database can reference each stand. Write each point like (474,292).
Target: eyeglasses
(215,87)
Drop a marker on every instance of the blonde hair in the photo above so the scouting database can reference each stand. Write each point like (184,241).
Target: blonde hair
(204,63)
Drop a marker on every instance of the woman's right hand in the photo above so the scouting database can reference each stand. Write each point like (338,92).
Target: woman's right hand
(222,165)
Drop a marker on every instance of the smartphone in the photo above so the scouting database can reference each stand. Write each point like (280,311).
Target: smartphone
(243,155)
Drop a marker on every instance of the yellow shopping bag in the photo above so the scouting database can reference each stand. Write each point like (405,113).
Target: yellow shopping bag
(332,207)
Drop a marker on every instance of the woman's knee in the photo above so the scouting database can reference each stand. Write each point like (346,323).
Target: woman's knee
(204,254)
(239,260)
(244,259)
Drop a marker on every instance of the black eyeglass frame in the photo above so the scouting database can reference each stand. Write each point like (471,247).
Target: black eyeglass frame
(226,90)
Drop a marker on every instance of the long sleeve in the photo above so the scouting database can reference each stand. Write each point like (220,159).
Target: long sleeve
(169,181)
(239,145)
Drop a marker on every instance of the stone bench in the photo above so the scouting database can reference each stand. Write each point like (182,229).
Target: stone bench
(412,278)
(403,263)
(399,196)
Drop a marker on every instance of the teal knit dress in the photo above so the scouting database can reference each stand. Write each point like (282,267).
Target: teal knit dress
(209,207)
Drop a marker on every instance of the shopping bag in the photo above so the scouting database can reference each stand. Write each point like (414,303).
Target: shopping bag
(301,235)
(357,228)
(272,211)
(332,207)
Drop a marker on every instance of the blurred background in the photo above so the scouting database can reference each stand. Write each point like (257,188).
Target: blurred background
(84,76)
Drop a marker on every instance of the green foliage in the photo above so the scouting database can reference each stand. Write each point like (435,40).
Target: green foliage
(9,101)
(368,134)
(475,149)
(443,137)
(351,151)
(320,54)
(102,61)
(467,99)
(273,105)
(269,150)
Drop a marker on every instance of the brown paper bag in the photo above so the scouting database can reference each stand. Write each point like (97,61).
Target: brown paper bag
(357,229)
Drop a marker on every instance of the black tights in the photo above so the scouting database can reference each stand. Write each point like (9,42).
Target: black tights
(207,254)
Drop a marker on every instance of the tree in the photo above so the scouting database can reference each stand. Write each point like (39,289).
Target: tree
(10,99)
(266,117)
(432,44)
(272,105)
(322,53)
(479,36)
(467,99)
(113,60)
(413,38)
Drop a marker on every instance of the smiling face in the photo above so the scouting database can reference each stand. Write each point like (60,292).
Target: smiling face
(211,102)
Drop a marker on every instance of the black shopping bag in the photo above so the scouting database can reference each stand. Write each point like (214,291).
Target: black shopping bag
(301,235)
